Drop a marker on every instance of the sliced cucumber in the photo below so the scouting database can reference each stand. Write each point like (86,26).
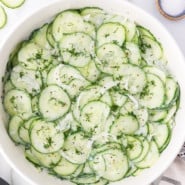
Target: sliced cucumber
(113,159)
(77,49)
(40,37)
(160,133)
(111,33)
(145,32)
(53,102)
(50,37)
(76,148)
(13,129)
(18,102)
(28,80)
(93,116)
(86,179)
(65,168)
(151,49)
(13,3)
(3,17)
(93,15)
(126,124)
(47,160)
(151,157)
(156,71)
(118,98)
(7,86)
(154,93)
(68,78)
(145,150)
(132,77)
(24,130)
(90,29)
(90,71)
(32,56)
(172,90)
(134,148)
(133,53)
(110,57)
(129,26)
(67,22)
(157,115)
(45,137)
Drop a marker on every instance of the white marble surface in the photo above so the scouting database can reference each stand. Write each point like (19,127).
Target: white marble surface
(177,29)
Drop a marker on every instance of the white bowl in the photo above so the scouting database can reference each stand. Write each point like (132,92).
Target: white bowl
(14,154)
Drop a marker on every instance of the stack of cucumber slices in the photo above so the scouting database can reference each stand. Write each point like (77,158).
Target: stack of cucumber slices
(89,97)
(9,4)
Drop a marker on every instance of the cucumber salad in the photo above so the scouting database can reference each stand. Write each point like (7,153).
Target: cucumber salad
(89,97)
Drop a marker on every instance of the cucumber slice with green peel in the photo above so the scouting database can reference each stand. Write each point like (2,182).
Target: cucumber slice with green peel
(132,77)
(63,74)
(170,113)
(34,105)
(156,71)
(53,102)
(49,36)
(118,98)
(145,32)
(93,116)
(94,15)
(47,160)
(160,133)
(113,159)
(28,80)
(86,179)
(18,102)
(33,57)
(106,98)
(78,171)
(126,124)
(24,130)
(90,71)
(87,169)
(77,49)
(151,49)
(142,115)
(153,95)
(172,90)
(151,157)
(133,53)
(39,36)
(157,115)
(77,148)
(134,147)
(31,158)
(131,171)
(13,3)
(90,29)
(110,57)
(13,129)
(65,168)
(68,78)
(3,17)
(100,182)
(142,131)
(45,137)
(130,27)
(67,22)
(110,33)
(7,86)
(146,147)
